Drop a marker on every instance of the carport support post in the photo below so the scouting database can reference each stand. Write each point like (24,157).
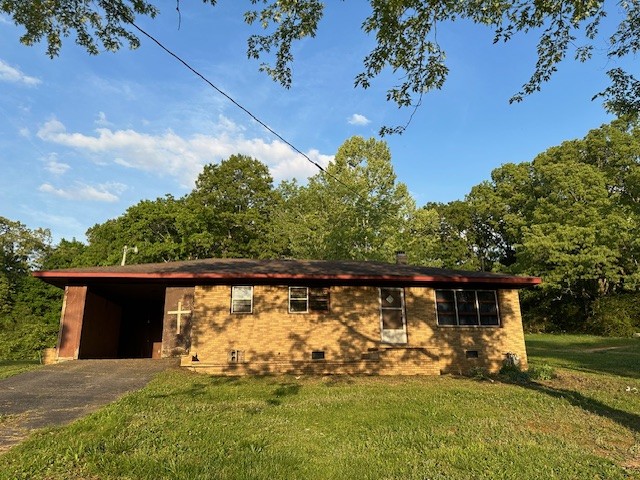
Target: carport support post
(71,319)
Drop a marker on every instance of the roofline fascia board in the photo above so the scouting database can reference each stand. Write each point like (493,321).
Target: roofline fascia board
(425,279)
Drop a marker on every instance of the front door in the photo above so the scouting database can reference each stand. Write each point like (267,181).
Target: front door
(393,325)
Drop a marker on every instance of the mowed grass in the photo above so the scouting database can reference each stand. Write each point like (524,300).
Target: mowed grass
(14,367)
(580,425)
(587,353)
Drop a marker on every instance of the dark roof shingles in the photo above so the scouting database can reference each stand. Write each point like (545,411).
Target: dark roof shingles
(246,268)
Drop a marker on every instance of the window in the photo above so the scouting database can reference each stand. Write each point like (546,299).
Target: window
(308,299)
(319,299)
(467,308)
(241,299)
(392,319)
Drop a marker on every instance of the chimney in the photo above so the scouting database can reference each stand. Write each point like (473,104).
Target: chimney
(401,258)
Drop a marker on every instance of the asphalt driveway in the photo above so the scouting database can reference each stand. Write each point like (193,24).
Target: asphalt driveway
(58,394)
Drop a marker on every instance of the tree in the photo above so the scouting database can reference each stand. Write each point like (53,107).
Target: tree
(228,213)
(21,249)
(405,31)
(456,246)
(501,209)
(66,254)
(29,309)
(354,210)
(423,244)
(150,225)
(570,216)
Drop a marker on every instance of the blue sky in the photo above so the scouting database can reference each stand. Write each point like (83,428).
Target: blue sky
(83,137)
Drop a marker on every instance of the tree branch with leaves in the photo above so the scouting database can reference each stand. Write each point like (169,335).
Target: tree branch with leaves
(405,32)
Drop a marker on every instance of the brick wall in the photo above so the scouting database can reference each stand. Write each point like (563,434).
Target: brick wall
(272,340)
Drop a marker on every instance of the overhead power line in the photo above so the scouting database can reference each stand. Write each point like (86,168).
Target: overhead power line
(245,110)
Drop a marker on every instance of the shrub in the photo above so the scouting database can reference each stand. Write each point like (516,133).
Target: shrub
(542,372)
(514,373)
(615,316)
(479,373)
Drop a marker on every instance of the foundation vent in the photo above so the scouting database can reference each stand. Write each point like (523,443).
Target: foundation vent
(236,356)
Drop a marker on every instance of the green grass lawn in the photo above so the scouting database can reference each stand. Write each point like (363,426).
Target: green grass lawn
(13,367)
(587,353)
(583,424)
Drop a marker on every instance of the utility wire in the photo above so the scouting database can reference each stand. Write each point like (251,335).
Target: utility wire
(228,97)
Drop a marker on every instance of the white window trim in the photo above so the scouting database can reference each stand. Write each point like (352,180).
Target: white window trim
(455,301)
(393,336)
(233,288)
(306,299)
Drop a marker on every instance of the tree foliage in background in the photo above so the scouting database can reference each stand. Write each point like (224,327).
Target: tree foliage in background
(21,249)
(571,216)
(29,309)
(150,225)
(228,213)
(355,209)
(405,32)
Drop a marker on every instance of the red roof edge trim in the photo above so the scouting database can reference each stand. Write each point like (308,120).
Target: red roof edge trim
(524,281)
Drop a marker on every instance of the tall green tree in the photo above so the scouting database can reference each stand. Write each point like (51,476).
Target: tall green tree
(228,213)
(149,225)
(355,209)
(499,211)
(570,216)
(422,242)
(29,309)
(405,36)
(21,249)
(66,254)
(457,245)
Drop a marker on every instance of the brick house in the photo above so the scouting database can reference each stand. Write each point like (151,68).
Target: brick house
(236,316)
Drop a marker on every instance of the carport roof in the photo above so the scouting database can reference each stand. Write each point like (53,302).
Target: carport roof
(217,270)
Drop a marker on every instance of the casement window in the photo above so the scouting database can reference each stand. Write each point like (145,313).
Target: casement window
(242,299)
(308,299)
(467,308)
(393,324)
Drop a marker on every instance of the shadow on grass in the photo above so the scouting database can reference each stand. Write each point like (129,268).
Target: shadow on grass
(198,388)
(625,419)
(283,390)
(339,380)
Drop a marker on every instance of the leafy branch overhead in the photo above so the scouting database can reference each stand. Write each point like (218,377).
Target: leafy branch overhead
(405,30)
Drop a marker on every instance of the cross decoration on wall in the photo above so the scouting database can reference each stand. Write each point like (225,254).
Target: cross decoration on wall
(179,312)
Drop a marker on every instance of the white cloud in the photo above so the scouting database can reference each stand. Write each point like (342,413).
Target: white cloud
(56,168)
(14,75)
(24,132)
(102,120)
(170,154)
(105,192)
(61,226)
(357,119)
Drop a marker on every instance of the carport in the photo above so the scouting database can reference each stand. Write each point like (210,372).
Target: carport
(109,320)
(136,311)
